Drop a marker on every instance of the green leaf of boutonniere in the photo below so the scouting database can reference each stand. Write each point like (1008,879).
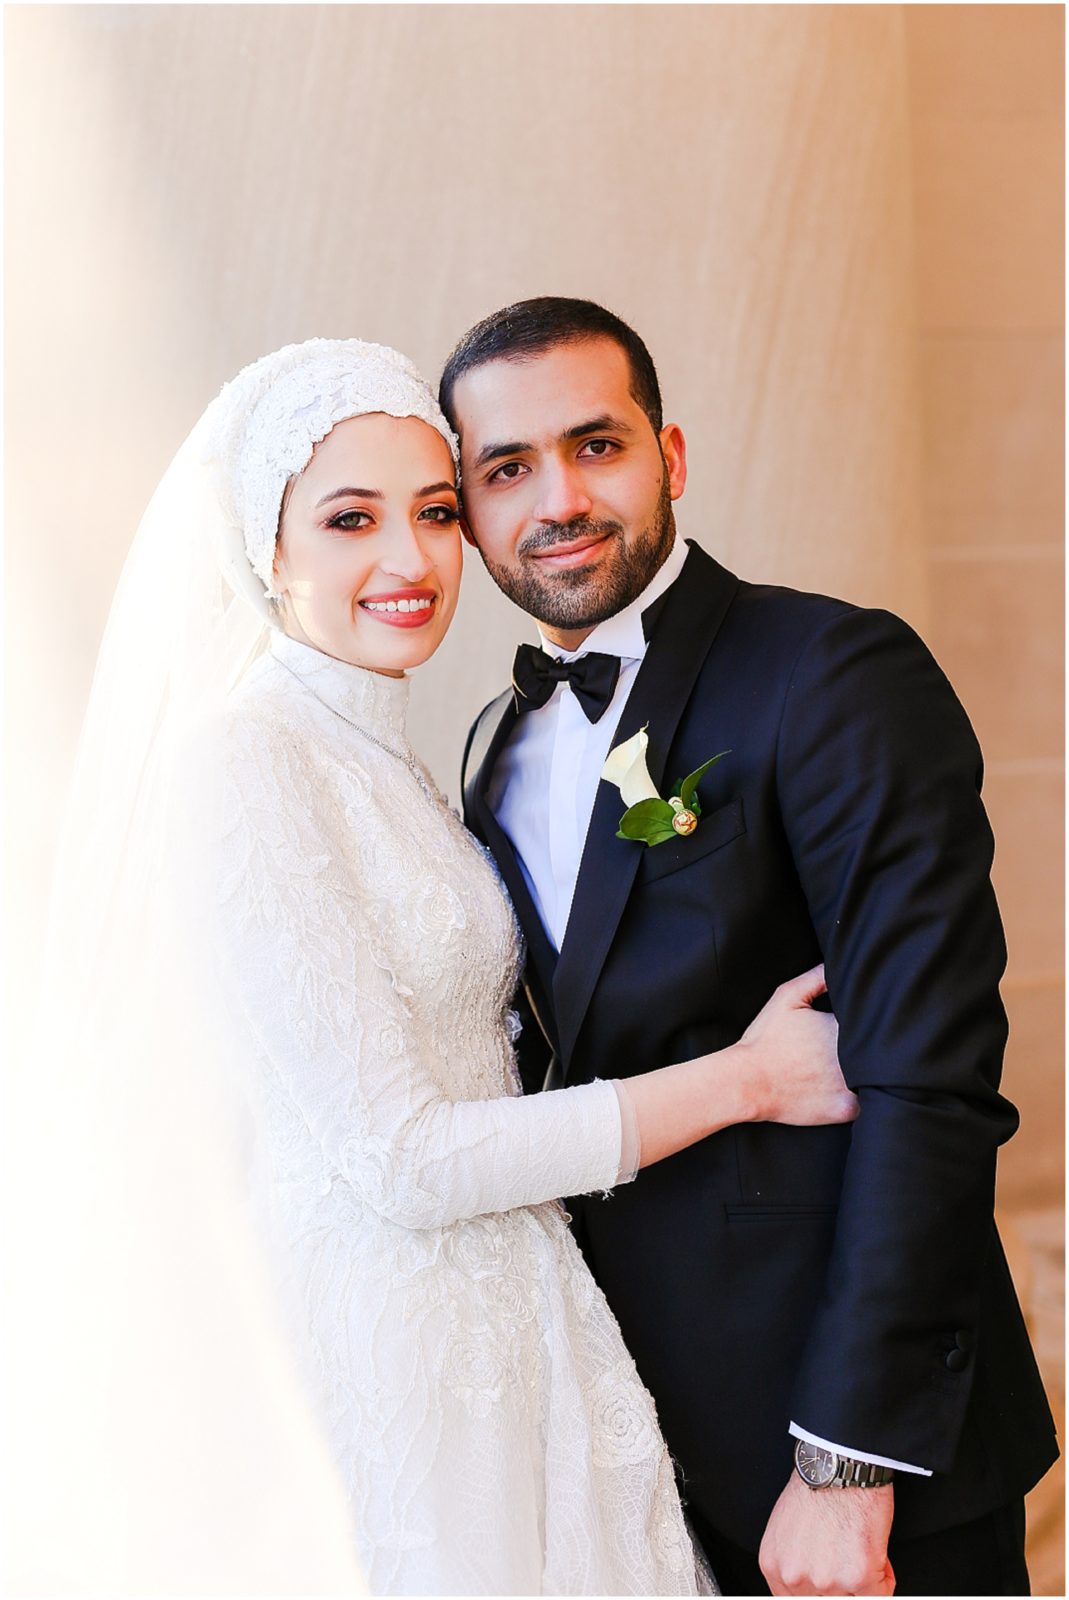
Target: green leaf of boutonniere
(650,820)
(688,789)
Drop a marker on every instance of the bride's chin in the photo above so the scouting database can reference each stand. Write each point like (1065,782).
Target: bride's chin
(403,656)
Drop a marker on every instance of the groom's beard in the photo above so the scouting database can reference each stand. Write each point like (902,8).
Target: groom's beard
(580,597)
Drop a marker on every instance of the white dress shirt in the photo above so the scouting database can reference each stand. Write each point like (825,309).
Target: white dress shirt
(546,778)
(545,782)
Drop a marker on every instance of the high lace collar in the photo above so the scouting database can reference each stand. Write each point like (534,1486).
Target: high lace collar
(370,699)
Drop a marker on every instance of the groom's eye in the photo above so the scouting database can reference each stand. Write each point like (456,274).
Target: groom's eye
(599,447)
(509,471)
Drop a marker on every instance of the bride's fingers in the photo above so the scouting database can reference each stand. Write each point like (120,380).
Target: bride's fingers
(804,989)
(851,1106)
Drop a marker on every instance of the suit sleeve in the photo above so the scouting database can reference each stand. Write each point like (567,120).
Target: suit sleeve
(879,776)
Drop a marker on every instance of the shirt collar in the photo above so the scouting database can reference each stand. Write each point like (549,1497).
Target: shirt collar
(621,635)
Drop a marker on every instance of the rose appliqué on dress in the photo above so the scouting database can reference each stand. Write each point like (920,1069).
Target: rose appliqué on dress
(625,1425)
(476,1369)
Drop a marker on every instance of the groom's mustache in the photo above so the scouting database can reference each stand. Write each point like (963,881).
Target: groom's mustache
(551,534)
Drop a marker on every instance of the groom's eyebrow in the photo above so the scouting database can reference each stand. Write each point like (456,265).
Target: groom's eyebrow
(491,452)
(606,423)
(602,424)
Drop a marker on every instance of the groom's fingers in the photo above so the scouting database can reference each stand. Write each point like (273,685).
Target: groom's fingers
(878,1584)
(828,1541)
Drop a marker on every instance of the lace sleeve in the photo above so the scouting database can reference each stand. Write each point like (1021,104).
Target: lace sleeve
(309,984)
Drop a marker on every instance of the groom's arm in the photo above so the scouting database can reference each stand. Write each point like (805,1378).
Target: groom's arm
(879,776)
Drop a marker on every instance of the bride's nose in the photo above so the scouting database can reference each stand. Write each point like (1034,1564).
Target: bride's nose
(405,556)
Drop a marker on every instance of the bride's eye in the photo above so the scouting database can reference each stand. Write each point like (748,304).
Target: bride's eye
(444,516)
(347,521)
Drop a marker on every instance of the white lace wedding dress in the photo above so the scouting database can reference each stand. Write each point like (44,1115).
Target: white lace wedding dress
(490,1427)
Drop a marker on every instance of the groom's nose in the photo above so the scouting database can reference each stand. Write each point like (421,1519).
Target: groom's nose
(562,492)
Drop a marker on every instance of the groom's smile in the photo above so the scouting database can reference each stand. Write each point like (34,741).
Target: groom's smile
(567,487)
(576,546)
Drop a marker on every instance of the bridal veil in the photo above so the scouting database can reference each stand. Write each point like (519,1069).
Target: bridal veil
(162,1438)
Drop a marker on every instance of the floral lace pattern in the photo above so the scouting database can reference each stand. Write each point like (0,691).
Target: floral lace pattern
(489,1426)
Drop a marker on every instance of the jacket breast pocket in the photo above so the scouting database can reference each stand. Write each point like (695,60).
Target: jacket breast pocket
(715,829)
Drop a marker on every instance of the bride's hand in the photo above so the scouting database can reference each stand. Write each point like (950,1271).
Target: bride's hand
(788,1054)
(783,1069)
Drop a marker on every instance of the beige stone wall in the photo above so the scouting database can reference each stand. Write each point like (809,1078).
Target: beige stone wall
(987,124)
(986,121)
(838,227)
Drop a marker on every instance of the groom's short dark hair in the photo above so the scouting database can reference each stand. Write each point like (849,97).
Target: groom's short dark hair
(531,327)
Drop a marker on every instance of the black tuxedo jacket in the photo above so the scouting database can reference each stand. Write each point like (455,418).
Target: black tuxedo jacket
(848,1278)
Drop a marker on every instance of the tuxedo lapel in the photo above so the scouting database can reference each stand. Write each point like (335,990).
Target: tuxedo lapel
(694,608)
(487,742)
(484,745)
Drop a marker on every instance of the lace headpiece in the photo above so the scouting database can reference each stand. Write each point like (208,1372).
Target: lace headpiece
(265,423)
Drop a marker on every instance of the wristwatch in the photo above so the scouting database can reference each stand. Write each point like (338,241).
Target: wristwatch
(824,1469)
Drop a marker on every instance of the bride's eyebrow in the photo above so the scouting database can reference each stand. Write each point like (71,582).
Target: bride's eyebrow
(376,494)
(339,494)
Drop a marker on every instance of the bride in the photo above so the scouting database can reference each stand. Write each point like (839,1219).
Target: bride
(486,1422)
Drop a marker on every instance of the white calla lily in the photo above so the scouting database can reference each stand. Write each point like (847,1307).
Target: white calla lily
(626,768)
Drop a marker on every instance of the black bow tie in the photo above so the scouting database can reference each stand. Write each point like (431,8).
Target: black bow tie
(593,677)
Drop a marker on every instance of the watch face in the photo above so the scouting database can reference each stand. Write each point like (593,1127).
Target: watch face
(816,1466)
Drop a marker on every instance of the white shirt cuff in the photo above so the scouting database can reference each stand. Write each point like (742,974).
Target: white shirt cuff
(858,1455)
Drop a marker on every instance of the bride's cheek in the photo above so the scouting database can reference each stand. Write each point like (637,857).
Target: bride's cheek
(452,574)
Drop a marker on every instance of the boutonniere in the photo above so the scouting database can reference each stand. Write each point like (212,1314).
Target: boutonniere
(648,817)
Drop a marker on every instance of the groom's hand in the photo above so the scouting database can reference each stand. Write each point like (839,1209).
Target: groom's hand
(829,1541)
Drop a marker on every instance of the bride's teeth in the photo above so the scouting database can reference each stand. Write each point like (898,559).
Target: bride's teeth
(398,605)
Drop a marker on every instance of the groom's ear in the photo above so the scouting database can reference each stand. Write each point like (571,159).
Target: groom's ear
(465,528)
(674,451)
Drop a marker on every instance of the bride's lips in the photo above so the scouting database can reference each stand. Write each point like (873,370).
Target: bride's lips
(400,608)
(573,554)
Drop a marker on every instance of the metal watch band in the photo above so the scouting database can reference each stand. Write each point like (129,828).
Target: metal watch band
(861,1474)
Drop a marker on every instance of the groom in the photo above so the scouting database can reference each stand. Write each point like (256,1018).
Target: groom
(823,1315)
